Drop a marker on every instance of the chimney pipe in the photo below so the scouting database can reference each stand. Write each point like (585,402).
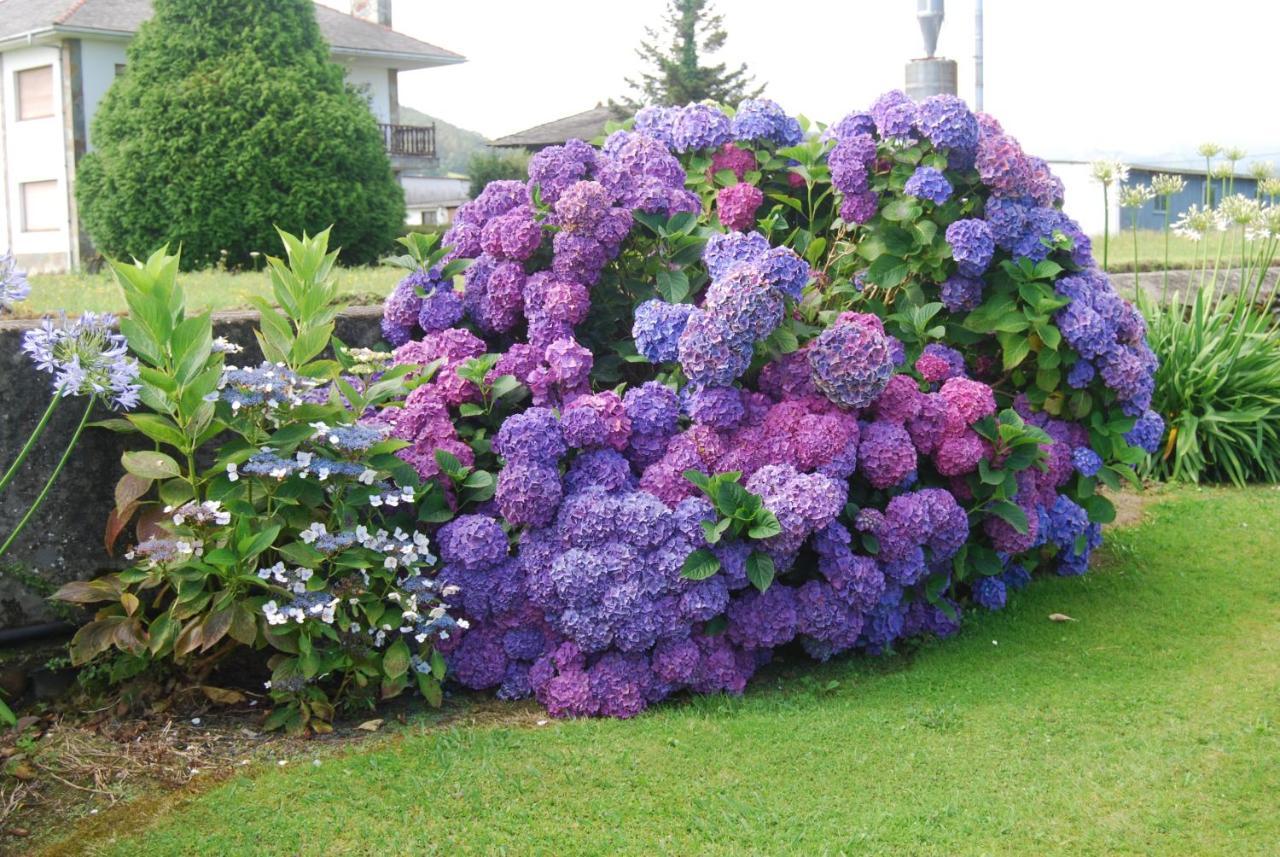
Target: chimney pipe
(930,14)
(374,11)
(977,56)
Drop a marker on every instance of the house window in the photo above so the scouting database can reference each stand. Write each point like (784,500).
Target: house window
(35,92)
(119,69)
(1161,204)
(41,206)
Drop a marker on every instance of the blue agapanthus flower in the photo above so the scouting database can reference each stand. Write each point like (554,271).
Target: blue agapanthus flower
(86,358)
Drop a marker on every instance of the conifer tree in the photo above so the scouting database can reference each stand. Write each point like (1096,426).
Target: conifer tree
(229,120)
(691,30)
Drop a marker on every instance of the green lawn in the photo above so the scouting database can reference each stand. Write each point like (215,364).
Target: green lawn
(223,290)
(217,290)
(1183,252)
(1150,725)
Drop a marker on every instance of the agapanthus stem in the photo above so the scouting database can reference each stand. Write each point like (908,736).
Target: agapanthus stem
(1164,288)
(44,492)
(30,444)
(1137,285)
(1106,226)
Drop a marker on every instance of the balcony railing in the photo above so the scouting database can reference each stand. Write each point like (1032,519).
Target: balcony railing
(415,140)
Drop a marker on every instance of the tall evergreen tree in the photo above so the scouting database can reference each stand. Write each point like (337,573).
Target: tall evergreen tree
(230,119)
(691,29)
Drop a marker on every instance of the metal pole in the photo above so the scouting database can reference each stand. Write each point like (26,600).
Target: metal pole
(977,56)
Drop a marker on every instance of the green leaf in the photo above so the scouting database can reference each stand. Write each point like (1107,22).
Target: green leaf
(700,565)
(150,465)
(395,662)
(1011,513)
(1100,509)
(1016,347)
(766,525)
(760,570)
(160,429)
(254,544)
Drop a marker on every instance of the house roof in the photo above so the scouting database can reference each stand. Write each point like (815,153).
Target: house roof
(346,34)
(580,126)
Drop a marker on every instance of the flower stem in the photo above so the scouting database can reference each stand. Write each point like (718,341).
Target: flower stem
(44,492)
(30,444)
(1164,289)
(1137,285)
(1106,226)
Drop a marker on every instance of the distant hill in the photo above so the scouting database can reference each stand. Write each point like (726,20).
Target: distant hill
(454,145)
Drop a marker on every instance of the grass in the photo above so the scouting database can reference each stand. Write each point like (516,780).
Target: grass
(1183,252)
(211,289)
(1149,725)
(224,290)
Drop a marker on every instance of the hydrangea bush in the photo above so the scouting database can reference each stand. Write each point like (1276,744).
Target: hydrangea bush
(748,382)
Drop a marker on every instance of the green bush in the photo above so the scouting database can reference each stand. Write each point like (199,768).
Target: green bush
(231,120)
(492,165)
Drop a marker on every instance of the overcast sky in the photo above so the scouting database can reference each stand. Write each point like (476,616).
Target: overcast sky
(1143,79)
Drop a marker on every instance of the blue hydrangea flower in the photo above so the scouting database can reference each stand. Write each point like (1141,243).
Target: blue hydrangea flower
(928,183)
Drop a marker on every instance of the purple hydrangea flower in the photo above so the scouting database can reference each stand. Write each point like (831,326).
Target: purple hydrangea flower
(928,183)
(699,126)
(895,115)
(961,294)
(971,246)
(946,122)
(737,205)
(474,542)
(850,363)
(759,119)
(1147,432)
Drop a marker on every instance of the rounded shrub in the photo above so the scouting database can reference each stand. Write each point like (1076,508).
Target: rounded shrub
(230,120)
(751,384)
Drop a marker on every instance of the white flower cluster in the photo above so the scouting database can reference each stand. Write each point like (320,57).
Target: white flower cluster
(1108,172)
(200,514)
(402,550)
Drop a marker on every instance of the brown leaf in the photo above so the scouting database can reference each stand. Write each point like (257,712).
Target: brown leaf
(94,639)
(188,639)
(23,771)
(149,524)
(371,725)
(91,591)
(222,695)
(1060,617)
(130,635)
(116,522)
(215,627)
(129,491)
(244,627)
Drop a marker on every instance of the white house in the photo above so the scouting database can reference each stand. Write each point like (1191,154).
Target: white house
(57,59)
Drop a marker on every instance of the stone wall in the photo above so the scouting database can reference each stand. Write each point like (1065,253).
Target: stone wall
(64,541)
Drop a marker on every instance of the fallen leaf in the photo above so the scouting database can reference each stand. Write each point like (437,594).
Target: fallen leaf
(370,725)
(1060,617)
(19,831)
(23,772)
(222,695)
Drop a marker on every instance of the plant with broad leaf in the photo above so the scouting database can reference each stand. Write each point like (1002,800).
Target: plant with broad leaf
(740,515)
(268,516)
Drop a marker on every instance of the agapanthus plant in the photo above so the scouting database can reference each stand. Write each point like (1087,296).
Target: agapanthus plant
(87,359)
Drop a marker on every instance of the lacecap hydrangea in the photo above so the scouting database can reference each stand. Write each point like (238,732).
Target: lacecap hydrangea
(886,332)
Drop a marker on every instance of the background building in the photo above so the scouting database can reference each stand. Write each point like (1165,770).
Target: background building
(57,59)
